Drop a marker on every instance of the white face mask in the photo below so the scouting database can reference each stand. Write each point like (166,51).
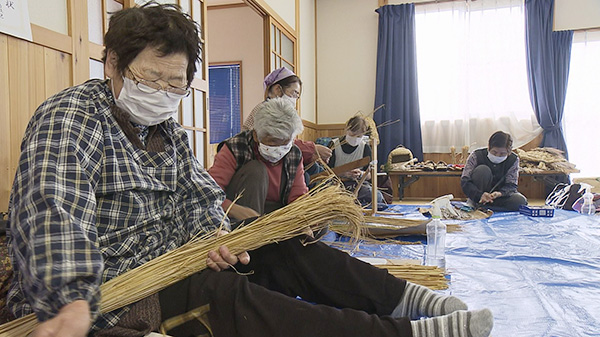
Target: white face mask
(145,108)
(353,141)
(290,99)
(274,153)
(496,159)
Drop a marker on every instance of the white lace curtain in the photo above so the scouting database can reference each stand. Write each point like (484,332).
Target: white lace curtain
(582,106)
(472,74)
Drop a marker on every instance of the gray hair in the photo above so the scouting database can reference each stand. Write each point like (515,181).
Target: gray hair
(277,118)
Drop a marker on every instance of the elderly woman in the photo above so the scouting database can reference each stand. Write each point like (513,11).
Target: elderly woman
(262,165)
(491,175)
(283,83)
(107,181)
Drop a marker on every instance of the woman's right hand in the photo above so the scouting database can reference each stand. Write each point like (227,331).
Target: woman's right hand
(73,320)
(241,212)
(486,198)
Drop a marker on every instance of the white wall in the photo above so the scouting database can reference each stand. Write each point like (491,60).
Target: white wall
(576,14)
(286,9)
(51,14)
(236,34)
(346,58)
(307,60)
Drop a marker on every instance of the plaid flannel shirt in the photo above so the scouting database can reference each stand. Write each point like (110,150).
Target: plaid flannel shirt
(87,205)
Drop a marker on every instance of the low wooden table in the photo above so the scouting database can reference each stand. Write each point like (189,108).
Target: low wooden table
(402,179)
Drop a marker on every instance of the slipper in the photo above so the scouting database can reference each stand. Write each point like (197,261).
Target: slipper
(417,166)
(441,166)
(429,166)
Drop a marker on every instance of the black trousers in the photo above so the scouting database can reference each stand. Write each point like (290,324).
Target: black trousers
(251,183)
(340,296)
(482,178)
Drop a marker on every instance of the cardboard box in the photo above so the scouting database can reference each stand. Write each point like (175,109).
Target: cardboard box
(537,211)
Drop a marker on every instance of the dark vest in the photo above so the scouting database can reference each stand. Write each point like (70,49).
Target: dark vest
(498,170)
(242,146)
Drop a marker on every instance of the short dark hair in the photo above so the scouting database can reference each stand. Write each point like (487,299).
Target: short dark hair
(357,124)
(287,82)
(163,26)
(500,139)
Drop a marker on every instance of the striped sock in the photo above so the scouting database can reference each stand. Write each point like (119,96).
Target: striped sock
(461,323)
(418,301)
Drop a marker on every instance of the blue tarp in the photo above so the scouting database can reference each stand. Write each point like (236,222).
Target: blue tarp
(539,276)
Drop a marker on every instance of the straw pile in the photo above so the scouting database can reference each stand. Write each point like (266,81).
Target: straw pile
(544,159)
(429,276)
(317,209)
(379,227)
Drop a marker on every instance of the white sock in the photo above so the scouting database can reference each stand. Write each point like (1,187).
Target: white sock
(418,301)
(461,323)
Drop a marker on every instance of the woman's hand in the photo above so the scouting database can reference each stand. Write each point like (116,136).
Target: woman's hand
(353,174)
(323,151)
(73,320)
(486,198)
(222,258)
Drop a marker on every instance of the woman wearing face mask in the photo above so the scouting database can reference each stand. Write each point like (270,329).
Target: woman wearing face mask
(262,165)
(284,83)
(491,175)
(351,147)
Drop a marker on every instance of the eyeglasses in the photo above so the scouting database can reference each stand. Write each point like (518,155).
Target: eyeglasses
(151,87)
(295,94)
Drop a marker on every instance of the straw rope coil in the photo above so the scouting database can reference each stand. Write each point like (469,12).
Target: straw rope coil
(327,202)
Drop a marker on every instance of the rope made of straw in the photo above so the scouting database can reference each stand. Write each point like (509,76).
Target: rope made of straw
(325,203)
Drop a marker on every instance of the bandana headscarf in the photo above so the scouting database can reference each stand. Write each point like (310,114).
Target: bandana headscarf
(276,76)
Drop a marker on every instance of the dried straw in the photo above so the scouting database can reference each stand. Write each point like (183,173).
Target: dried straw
(429,276)
(327,202)
(383,230)
(544,159)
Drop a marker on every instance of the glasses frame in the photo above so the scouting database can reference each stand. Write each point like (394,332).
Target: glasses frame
(151,87)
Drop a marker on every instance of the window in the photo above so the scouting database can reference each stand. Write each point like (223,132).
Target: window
(282,48)
(581,105)
(225,101)
(472,74)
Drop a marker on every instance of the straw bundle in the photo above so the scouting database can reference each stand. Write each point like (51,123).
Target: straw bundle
(429,276)
(317,209)
(544,159)
(379,227)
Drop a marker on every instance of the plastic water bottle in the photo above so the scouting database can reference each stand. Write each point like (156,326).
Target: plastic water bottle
(435,254)
(588,207)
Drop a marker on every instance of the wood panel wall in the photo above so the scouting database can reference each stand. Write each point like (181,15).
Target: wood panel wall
(30,73)
(313,131)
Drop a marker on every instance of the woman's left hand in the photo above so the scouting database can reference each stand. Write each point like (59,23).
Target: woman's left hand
(222,258)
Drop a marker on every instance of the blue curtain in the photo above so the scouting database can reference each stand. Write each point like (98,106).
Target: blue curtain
(548,57)
(396,81)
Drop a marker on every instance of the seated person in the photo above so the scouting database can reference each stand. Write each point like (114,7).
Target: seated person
(491,175)
(107,182)
(351,147)
(282,82)
(263,165)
